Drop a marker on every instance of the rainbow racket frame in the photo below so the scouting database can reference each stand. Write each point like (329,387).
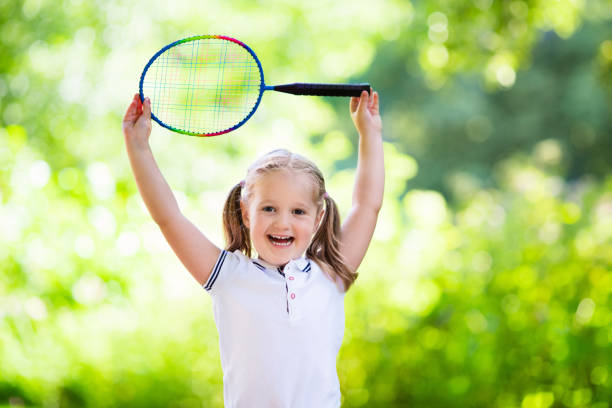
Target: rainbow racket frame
(295,88)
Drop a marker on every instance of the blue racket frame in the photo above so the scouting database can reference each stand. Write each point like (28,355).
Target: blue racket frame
(262,86)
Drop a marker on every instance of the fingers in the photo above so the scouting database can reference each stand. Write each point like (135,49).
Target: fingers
(354,103)
(146,108)
(139,104)
(132,111)
(374,102)
(359,103)
(364,101)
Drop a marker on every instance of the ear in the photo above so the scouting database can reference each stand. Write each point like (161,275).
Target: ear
(245,214)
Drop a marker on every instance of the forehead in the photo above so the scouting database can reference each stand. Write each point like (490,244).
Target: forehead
(284,184)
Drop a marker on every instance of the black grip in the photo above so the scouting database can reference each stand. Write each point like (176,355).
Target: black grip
(323,89)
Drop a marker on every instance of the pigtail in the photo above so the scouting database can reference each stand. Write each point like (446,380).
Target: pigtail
(236,233)
(325,245)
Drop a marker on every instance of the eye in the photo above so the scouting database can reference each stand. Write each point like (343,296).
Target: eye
(299,211)
(267,208)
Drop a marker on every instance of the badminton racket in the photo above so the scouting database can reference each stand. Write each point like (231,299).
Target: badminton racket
(209,85)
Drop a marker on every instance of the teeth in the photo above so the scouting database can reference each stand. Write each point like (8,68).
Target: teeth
(286,240)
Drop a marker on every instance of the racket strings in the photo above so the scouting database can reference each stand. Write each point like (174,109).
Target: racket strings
(204,86)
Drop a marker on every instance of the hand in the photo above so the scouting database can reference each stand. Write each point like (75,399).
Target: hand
(365,114)
(137,122)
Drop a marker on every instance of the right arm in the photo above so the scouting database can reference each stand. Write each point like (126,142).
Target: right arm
(194,250)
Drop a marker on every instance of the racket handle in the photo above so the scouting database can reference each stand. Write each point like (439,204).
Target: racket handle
(323,89)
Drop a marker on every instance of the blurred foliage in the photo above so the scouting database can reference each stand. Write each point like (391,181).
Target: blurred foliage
(487,284)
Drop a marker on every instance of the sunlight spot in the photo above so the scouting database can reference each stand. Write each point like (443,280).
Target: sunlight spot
(431,338)
(548,152)
(425,207)
(505,75)
(283,129)
(39,174)
(519,9)
(73,87)
(19,85)
(13,114)
(606,49)
(128,243)
(437,21)
(13,220)
(68,178)
(103,220)
(538,400)
(101,180)
(476,321)
(585,311)
(426,297)
(524,276)
(84,246)
(39,255)
(584,244)
(453,261)
(438,27)
(31,8)
(483,4)
(35,308)
(482,261)
(437,55)
(603,209)
(89,290)
(549,232)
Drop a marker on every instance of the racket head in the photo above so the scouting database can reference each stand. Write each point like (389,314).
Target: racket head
(205,85)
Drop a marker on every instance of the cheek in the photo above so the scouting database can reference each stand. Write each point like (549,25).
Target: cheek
(310,226)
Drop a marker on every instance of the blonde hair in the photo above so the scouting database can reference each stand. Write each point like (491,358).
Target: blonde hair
(325,245)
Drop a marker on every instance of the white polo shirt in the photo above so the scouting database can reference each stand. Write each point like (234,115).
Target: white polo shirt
(279,332)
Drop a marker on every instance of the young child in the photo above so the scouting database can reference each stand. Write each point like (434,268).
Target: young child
(280,316)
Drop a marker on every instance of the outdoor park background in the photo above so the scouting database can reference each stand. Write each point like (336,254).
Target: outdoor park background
(489,280)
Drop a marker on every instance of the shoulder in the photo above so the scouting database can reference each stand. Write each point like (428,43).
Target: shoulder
(228,264)
(329,274)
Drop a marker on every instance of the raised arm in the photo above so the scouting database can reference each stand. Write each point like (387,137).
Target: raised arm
(194,250)
(358,227)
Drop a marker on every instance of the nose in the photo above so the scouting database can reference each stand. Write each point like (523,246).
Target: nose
(282,220)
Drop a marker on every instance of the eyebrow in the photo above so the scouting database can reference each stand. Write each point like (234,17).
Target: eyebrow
(274,202)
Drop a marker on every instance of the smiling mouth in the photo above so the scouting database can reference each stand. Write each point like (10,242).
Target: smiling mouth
(280,240)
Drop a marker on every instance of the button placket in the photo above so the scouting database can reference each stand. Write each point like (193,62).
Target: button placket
(291,295)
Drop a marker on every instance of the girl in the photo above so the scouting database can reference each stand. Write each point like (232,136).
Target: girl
(280,316)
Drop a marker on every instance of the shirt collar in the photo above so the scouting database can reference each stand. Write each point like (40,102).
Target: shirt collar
(301,264)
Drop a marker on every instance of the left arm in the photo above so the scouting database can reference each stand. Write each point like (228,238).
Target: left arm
(358,228)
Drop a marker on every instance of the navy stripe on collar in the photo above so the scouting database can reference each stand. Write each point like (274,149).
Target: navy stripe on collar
(280,269)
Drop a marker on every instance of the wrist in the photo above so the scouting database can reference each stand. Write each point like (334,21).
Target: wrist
(370,133)
(137,144)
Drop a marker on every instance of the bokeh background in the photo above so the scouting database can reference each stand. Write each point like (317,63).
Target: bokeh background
(489,280)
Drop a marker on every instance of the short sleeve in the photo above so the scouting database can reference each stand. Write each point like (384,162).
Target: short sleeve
(225,268)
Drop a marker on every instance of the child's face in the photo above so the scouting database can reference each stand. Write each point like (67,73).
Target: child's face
(281,215)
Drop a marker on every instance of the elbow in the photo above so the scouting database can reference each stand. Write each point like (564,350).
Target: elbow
(370,200)
(374,204)
(377,206)
(370,207)
(164,222)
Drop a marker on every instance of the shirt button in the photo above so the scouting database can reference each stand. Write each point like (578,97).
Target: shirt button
(293,296)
